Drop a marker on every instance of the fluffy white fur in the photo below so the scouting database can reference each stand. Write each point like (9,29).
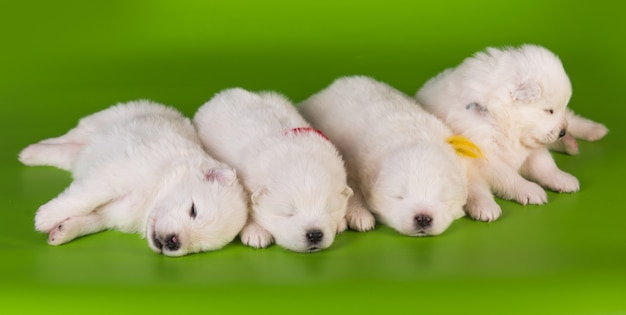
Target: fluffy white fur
(297,180)
(513,103)
(398,161)
(140,167)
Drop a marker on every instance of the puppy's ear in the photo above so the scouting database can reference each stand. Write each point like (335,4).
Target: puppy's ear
(254,197)
(526,92)
(347,192)
(223,176)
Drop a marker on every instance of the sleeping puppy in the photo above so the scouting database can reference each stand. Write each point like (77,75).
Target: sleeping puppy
(140,168)
(513,104)
(399,158)
(295,175)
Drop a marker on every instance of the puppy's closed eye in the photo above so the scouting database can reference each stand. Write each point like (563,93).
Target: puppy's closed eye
(550,111)
(287,212)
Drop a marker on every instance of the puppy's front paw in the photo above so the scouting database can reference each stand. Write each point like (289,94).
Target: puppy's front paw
(532,194)
(360,219)
(254,235)
(563,182)
(485,209)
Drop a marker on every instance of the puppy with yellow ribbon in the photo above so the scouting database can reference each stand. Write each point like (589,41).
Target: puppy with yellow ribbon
(406,167)
(513,103)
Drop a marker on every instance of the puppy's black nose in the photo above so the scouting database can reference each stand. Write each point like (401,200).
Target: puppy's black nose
(562,133)
(171,242)
(423,221)
(314,236)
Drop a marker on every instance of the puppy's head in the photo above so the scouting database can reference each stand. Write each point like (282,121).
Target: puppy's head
(301,219)
(420,190)
(198,210)
(303,201)
(533,91)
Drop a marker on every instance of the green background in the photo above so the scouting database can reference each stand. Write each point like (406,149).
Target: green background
(61,60)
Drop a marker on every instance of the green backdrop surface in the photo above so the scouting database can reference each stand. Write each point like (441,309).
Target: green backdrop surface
(61,60)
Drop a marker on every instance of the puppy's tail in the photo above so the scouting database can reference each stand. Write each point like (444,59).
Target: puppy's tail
(464,147)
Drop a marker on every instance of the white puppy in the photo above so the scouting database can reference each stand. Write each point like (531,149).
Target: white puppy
(295,175)
(399,163)
(512,103)
(140,167)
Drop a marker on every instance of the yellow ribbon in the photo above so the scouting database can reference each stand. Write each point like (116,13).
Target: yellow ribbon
(465,147)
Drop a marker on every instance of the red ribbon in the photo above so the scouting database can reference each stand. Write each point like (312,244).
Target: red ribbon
(301,130)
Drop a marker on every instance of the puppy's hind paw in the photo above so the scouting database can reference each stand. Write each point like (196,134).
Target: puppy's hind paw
(254,235)
(62,233)
(595,132)
(30,155)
